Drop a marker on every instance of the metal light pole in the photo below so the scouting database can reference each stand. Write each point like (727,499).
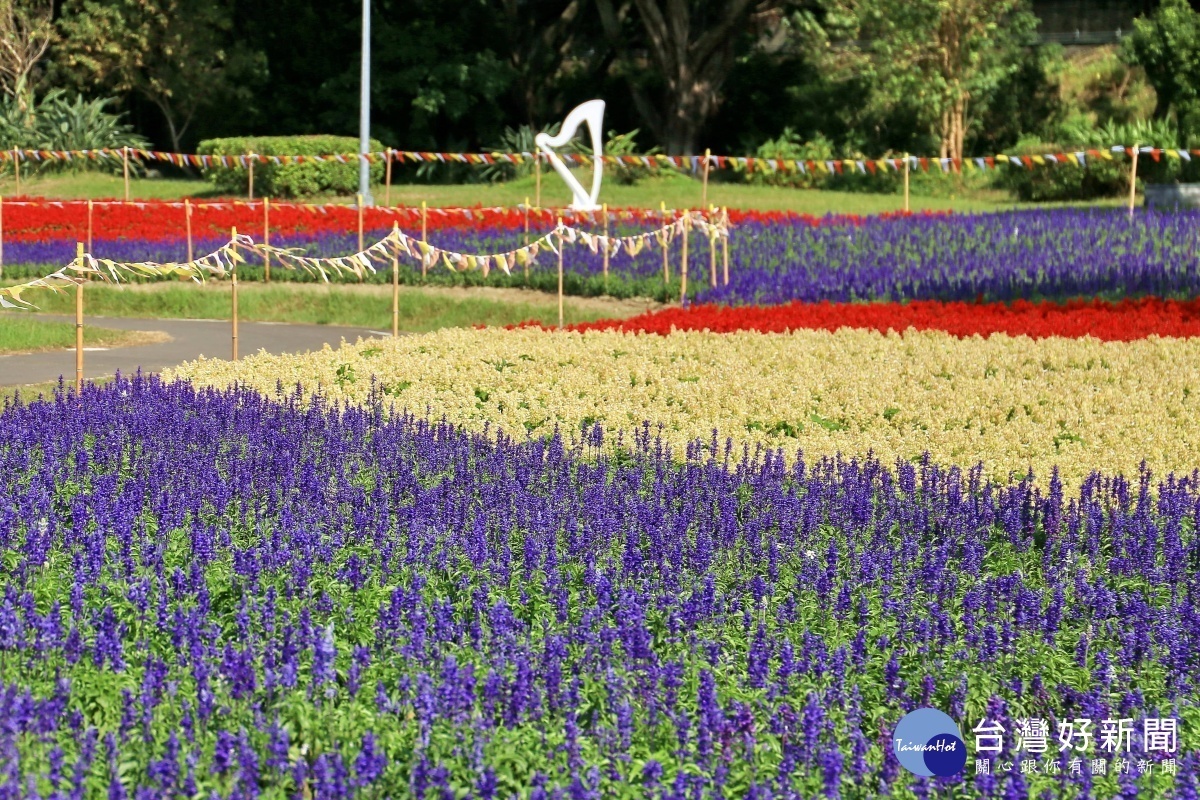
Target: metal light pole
(364,108)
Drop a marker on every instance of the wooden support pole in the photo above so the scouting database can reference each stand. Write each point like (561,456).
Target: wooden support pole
(387,180)
(250,188)
(604,217)
(560,273)
(187,214)
(267,239)
(395,285)
(906,183)
(1133,180)
(89,227)
(526,266)
(125,169)
(712,253)
(233,236)
(360,223)
(79,319)
(725,244)
(424,229)
(683,266)
(704,191)
(665,252)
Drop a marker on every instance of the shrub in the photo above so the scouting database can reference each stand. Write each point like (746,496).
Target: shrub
(789,148)
(290,180)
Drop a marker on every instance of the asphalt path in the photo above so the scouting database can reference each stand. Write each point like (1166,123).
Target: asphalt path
(190,338)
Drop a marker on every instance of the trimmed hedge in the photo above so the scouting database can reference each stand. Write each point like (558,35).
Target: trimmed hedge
(290,180)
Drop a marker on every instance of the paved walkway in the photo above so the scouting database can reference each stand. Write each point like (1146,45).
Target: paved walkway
(189,339)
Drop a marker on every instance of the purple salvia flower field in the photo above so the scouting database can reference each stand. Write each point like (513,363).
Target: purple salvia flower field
(220,594)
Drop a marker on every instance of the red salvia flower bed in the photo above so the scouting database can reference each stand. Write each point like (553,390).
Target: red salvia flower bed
(1123,321)
(32,219)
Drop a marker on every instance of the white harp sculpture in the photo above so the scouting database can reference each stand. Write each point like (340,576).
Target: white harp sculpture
(591,112)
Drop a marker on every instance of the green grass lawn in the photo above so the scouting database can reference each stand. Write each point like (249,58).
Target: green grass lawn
(23,334)
(676,190)
(421,308)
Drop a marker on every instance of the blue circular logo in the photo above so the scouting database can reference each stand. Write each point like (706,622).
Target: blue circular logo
(928,743)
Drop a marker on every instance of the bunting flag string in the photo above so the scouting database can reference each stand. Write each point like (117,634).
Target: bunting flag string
(218,263)
(224,259)
(1079,158)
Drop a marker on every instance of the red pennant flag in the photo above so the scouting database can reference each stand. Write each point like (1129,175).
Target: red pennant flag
(924,164)
(837,167)
(1129,152)
(1155,153)
(990,161)
(810,165)
(871,167)
(957,163)
(1027,161)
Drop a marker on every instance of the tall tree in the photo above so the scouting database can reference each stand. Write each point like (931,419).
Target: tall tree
(552,48)
(26,31)
(692,46)
(1167,45)
(180,55)
(949,56)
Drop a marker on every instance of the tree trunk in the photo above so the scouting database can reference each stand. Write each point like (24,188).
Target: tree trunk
(692,61)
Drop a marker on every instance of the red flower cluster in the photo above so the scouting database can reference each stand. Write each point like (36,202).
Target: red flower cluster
(38,220)
(1123,321)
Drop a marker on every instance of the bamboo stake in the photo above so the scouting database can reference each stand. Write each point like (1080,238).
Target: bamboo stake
(666,265)
(251,187)
(704,191)
(187,213)
(424,222)
(1133,180)
(79,320)
(266,239)
(17,169)
(233,235)
(906,183)
(527,236)
(683,270)
(725,244)
(395,286)
(360,223)
(387,181)
(537,171)
(89,229)
(560,274)
(604,215)
(712,254)
(125,169)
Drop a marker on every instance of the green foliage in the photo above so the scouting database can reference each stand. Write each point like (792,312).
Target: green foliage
(789,147)
(624,144)
(1167,45)
(1099,85)
(946,60)
(182,56)
(515,140)
(290,180)
(57,123)
(1102,177)
(1027,100)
